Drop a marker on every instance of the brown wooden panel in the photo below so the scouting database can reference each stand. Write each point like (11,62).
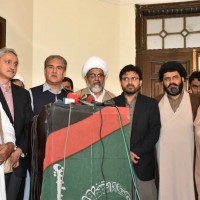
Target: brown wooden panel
(2,32)
(151,61)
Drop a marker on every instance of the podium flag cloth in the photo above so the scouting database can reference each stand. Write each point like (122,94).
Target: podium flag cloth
(85,154)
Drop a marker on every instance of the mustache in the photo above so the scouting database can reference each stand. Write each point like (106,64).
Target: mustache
(172,84)
(130,85)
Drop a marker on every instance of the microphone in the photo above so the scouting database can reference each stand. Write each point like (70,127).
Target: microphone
(85,102)
(76,99)
(72,98)
(90,99)
(106,103)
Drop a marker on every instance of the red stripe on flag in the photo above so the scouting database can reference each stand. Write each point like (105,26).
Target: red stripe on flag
(83,134)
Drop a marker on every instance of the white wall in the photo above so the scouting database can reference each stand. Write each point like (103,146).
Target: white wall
(19,25)
(75,29)
(79,30)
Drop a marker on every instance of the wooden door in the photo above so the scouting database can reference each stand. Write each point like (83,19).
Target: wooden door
(151,60)
(2,32)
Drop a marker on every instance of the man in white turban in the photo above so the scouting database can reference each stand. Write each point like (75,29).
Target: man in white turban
(94,72)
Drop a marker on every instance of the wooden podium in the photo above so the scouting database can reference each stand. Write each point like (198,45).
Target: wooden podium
(84,150)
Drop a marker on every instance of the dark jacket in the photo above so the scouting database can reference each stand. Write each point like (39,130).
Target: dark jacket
(22,116)
(144,134)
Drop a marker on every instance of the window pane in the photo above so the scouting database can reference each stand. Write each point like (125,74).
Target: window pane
(174,41)
(173,25)
(193,23)
(154,42)
(154,26)
(193,40)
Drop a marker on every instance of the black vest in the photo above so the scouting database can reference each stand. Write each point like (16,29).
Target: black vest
(41,98)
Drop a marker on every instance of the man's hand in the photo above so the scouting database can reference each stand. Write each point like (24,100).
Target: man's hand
(14,158)
(6,150)
(134,158)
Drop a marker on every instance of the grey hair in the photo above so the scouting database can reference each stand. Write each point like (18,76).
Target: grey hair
(57,57)
(5,50)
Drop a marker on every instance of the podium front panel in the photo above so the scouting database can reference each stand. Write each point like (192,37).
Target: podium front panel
(85,154)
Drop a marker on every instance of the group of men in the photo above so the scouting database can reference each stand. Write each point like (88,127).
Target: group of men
(161,129)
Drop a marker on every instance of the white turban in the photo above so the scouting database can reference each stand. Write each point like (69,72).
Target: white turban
(17,76)
(94,62)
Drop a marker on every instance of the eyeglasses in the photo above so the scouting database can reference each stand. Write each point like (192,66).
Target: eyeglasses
(93,76)
(127,79)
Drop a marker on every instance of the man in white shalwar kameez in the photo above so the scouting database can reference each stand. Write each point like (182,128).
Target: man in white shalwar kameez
(175,148)
(5,149)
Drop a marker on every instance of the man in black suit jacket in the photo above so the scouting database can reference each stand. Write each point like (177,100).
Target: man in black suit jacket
(17,105)
(145,130)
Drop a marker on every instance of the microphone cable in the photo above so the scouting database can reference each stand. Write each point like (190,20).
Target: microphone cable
(128,154)
(35,181)
(103,151)
(65,151)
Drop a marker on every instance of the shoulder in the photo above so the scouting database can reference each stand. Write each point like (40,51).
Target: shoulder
(83,92)
(194,98)
(147,99)
(36,87)
(110,94)
(195,102)
(120,100)
(19,90)
(119,97)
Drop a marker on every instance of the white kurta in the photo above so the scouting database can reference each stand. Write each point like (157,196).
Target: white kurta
(175,151)
(9,136)
(197,141)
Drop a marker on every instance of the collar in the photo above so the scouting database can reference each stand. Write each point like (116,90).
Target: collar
(3,85)
(46,87)
(100,98)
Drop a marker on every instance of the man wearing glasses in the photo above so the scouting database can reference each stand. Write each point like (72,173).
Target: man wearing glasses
(145,131)
(94,72)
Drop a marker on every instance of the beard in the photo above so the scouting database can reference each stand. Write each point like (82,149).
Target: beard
(132,91)
(173,89)
(98,87)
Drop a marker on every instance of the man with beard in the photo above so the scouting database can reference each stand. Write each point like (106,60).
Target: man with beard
(194,83)
(144,127)
(95,71)
(175,148)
